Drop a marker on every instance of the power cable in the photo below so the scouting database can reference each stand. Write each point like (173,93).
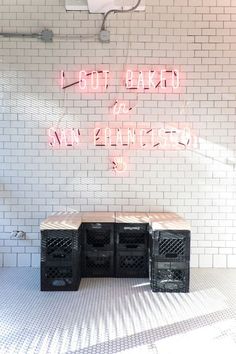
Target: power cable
(115,11)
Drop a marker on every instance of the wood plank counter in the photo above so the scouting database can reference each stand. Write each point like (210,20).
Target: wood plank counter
(167,221)
(62,221)
(73,220)
(132,218)
(98,217)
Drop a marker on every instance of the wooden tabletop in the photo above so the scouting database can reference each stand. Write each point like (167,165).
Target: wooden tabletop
(167,221)
(62,221)
(133,218)
(98,217)
(73,220)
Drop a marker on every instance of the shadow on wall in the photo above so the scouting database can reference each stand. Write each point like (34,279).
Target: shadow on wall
(216,152)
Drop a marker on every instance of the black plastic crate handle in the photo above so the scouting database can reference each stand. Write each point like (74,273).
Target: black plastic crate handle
(97,245)
(171,255)
(59,282)
(58,255)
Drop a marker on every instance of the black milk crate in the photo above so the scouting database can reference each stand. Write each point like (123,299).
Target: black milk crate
(98,264)
(132,236)
(132,264)
(98,236)
(61,276)
(169,276)
(172,245)
(57,245)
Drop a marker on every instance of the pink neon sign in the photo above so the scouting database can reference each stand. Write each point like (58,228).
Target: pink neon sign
(121,108)
(93,79)
(63,137)
(154,80)
(142,138)
(119,164)
(133,138)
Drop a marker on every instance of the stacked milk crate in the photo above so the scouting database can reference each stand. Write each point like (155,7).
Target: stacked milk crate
(98,244)
(115,244)
(169,253)
(61,252)
(131,237)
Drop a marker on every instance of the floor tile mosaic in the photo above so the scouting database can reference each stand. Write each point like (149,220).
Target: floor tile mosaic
(109,315)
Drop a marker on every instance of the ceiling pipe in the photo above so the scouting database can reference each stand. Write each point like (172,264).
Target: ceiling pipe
(45,36)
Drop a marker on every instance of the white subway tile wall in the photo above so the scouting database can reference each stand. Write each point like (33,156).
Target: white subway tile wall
(198,37)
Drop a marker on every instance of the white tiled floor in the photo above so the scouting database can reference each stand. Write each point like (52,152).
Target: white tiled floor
(110,316)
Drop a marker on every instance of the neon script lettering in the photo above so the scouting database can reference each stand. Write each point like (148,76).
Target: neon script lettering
(119,165)
(171,138)
(152,79)
(134,138)
(63,137)
(94,80)
(120,108)
(141,80)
